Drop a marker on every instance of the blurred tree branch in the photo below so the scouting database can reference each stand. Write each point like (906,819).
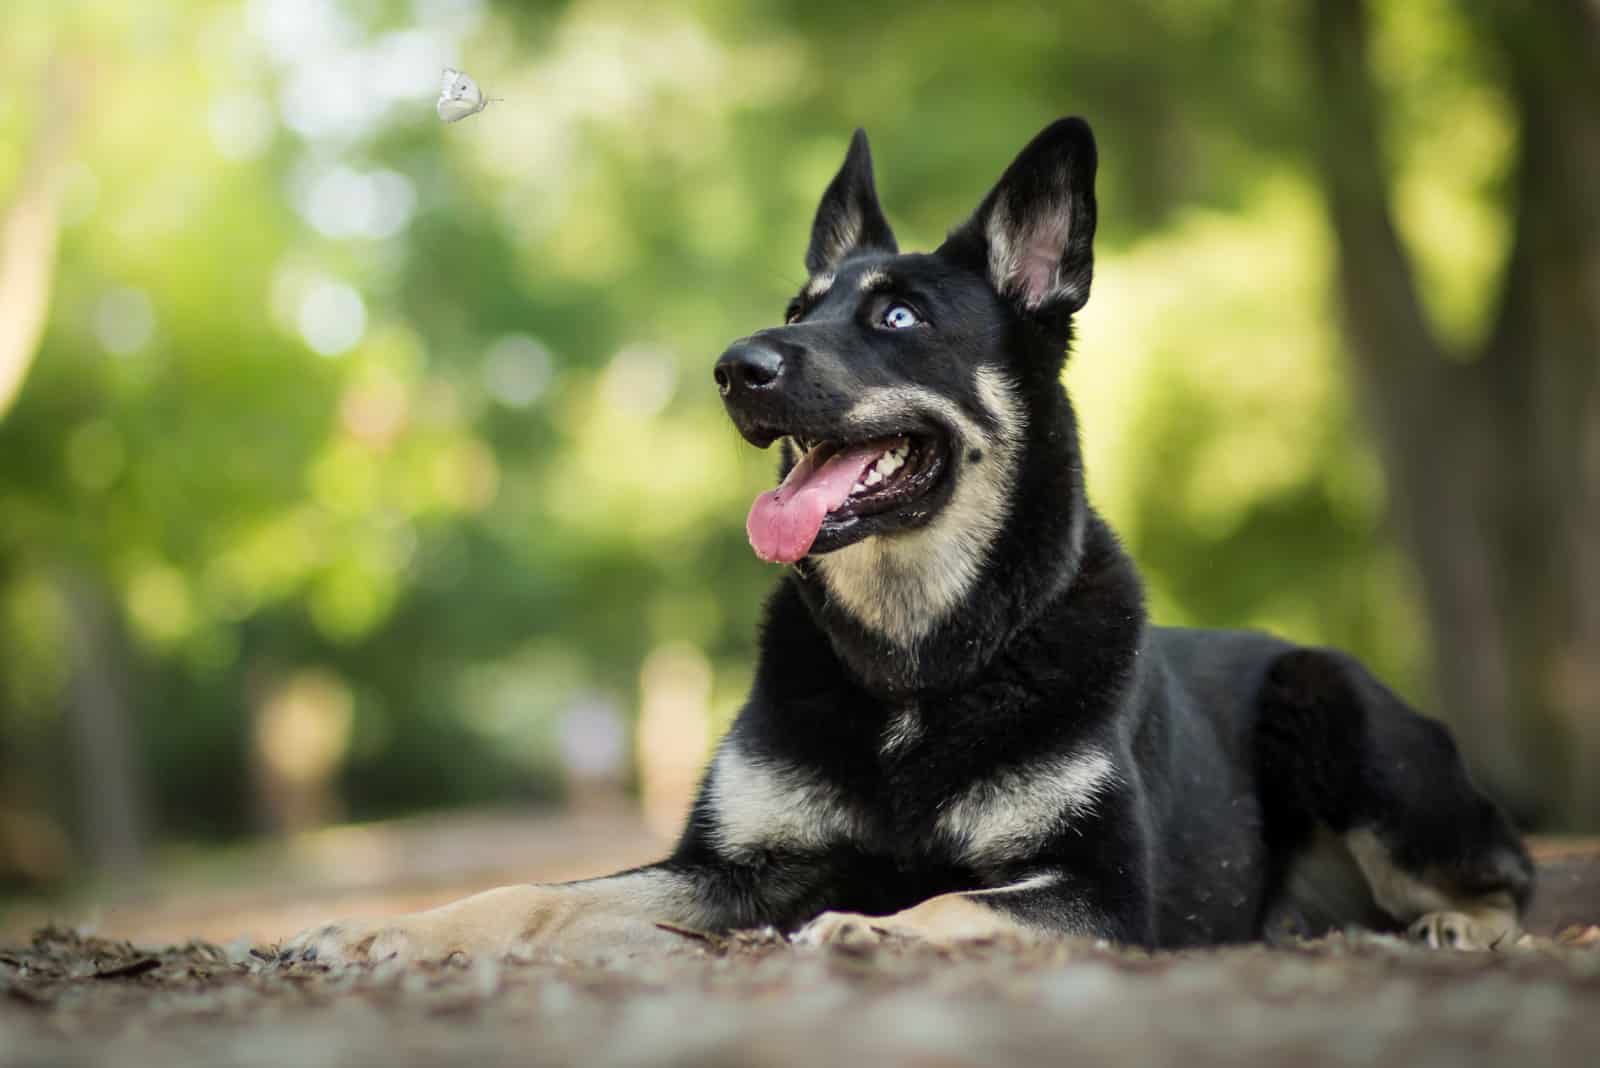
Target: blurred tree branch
(29,229)
(1493,452)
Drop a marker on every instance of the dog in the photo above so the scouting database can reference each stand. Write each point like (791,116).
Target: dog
(962,723)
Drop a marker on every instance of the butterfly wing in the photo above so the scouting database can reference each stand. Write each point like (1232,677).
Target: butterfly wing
(459,97)
(468,90)
(456,110)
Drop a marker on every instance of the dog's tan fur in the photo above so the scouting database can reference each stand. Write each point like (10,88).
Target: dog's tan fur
(945,918)
(599,917)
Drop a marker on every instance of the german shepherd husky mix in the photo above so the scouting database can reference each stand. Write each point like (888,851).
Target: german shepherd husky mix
(962,723)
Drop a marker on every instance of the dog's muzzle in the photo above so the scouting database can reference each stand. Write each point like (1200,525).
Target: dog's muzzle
(748,366)
(847,479)
(753,377)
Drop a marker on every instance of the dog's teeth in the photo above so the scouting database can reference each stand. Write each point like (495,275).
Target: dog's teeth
(887,465)
(874,477)
(858,488)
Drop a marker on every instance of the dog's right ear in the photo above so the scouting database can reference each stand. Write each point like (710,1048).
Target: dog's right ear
(849,219)
(1034,233)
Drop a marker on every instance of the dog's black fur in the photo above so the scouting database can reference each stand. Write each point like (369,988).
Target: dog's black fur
(962,720)
(1230,749)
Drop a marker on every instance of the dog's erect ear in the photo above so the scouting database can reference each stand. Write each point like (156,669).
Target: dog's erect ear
(849,219)
(1034,232)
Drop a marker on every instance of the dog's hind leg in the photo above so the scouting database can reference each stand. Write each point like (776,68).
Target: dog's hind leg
(1338,752)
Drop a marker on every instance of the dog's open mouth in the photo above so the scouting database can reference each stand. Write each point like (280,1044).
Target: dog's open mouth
(838,493)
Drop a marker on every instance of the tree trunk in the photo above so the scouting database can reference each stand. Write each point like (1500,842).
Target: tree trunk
(1493,456)
(101,732)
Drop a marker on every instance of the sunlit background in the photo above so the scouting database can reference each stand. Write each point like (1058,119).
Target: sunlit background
(355,467)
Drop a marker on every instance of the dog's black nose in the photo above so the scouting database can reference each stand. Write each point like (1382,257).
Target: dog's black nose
(748,365)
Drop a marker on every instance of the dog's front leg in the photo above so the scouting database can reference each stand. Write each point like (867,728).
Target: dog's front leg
(1032,909)
(618,913)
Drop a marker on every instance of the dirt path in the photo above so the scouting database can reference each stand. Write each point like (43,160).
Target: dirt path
(1343,1001)
(1364,1001)
(70,998)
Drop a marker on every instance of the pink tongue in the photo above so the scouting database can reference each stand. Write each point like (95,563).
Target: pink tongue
(784,522)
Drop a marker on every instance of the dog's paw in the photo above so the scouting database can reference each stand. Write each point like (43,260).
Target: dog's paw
(586,920)
(1462,930)
(339,944)
(418,936)
(841,929)
(333,943)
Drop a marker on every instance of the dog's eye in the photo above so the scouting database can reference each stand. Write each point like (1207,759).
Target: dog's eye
(899,317)
(792,312)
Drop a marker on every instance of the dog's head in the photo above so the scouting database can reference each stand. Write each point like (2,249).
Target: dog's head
(900,383)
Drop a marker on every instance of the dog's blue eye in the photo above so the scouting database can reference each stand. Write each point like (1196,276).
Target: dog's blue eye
(898,317)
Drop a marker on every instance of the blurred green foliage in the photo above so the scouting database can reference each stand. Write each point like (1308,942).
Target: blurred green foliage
(328,384)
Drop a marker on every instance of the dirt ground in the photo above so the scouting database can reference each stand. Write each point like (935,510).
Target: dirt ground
(67,998)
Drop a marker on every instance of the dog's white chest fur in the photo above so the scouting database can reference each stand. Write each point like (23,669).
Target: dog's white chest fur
(1002,817)
(760,804)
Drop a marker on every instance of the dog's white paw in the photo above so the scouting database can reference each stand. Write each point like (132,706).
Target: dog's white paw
(841,929)
(1491,929)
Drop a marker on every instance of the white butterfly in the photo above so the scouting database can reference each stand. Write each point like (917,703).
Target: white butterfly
(459,96)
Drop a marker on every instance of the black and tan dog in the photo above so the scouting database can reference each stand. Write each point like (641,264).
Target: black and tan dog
(962,722)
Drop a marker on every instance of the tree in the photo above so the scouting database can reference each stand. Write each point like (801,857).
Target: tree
(28,231)
(1492,450)
(505,479)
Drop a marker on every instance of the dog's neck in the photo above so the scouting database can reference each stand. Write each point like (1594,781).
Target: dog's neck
(931,610)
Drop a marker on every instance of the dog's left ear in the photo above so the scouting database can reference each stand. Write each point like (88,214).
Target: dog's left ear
(1034,232)
(849,219)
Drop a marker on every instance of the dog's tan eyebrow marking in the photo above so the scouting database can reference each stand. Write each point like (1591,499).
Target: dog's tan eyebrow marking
(818,287)
(874,280)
